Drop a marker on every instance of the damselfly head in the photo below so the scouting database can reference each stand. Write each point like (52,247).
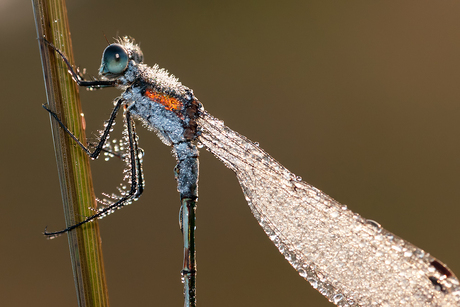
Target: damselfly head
(116,58)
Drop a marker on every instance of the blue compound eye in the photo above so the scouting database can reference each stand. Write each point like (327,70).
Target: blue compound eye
(114,59)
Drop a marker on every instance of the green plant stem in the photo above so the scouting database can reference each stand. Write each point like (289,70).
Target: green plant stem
(73,164)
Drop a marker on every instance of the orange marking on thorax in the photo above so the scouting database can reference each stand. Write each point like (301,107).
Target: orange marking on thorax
(170,103)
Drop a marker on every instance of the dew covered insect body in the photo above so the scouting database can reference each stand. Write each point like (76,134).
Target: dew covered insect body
(161,102)
(155,97)
(352,261)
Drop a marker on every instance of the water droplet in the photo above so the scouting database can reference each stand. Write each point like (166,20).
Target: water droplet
(407,253)
(323,291)
(303,273)
(419,253)
(397,248)
(389,236)
(140,153)
(337,298)
(313,282)
(374,224)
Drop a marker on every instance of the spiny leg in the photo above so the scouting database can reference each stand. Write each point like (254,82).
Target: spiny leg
(139,153)
(108,150)
(133,157)
(137,181)
(93,84)
(105,134)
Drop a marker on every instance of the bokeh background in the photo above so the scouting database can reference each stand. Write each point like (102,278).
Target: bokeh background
(360,98)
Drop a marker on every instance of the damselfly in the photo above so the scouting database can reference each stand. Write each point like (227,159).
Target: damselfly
(349,259)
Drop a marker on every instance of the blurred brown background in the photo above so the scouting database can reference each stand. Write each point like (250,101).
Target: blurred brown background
(360,98)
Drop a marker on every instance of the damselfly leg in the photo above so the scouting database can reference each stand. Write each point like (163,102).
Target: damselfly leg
(99,147)
(93,84)
(134,153)
(136,179)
